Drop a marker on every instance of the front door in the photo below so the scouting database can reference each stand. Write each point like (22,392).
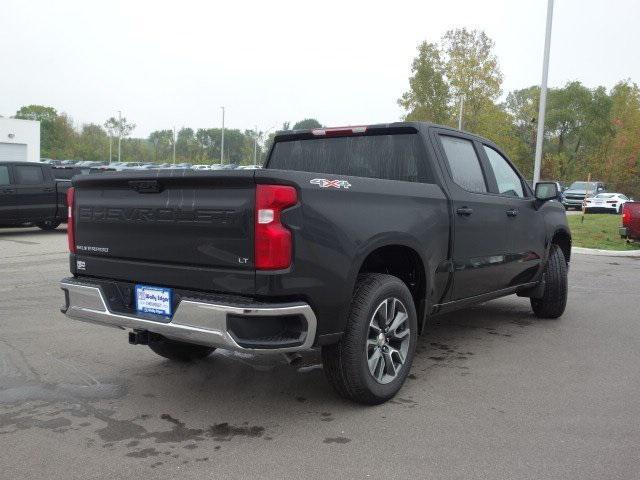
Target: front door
(480,238)
(525,225)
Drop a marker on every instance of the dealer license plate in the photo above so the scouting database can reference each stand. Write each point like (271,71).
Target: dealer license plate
(156,300)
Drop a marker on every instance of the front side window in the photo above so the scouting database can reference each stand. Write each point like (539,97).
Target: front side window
(4,175)
(464,163)
(509,182)
(28,175)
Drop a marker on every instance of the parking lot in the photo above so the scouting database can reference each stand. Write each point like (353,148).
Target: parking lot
(494,393)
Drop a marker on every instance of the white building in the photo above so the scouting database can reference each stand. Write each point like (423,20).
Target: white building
(19,140)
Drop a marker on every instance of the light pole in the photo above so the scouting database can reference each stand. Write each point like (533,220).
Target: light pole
(174,145)
(255,145)
(460,113)
(222,142)
(543,95)
(119,133)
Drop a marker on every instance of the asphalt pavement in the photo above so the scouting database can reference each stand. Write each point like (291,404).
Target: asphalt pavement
(494,393)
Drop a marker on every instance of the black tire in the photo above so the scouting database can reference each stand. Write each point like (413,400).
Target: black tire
(345,363)
(554,299)
(48,225)
(178,351)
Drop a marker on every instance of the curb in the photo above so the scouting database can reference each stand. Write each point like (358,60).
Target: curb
(606,253)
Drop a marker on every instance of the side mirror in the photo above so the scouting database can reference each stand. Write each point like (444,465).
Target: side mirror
(546,191)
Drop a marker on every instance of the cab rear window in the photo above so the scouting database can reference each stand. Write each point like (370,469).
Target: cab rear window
(391,157)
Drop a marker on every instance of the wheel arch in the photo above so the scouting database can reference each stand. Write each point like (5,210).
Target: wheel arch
(400,258)
(562,238)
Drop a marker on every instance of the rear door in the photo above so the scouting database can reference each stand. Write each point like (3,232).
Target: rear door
(479,221)
(7,196)
(35,194)
(525,225)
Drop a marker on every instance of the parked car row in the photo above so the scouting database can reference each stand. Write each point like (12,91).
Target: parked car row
(592,196)
(119,166)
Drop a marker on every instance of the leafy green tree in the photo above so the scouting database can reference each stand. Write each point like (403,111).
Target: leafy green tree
(429,92)
(37,112)
(462,65)
(46,116)
(162,141)
(618,158)
(187,149)
(92,143)
(307,123)
(472,71)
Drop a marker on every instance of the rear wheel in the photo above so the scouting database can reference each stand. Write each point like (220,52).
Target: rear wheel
(554,299)
(179,351)
(371,361)
(48,224)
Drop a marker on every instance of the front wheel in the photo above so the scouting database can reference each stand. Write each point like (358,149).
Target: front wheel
(372,359)
(554,299)
(178,351)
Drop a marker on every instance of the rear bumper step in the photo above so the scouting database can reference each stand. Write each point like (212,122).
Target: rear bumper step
(204,323)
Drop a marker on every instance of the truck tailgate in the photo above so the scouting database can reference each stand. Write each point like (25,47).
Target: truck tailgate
(176,228)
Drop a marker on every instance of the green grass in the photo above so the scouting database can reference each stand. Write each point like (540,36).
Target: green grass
(599,230)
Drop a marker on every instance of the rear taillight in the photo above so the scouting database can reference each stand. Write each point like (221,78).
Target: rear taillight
(626,216)
(71,233)
(273,244)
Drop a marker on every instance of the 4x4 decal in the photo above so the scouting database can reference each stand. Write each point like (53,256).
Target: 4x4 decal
(324,183)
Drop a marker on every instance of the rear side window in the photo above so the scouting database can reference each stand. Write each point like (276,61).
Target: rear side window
(464,163)
(28,175)
(392,157)
(4,175)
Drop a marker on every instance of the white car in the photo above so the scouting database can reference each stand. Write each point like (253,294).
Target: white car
(201,167)
(605,203)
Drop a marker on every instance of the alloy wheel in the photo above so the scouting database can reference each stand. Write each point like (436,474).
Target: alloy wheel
(388,340)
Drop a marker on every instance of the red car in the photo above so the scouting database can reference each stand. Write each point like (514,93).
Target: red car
(631,221)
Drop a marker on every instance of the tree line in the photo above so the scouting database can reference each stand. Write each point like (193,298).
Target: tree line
(60,140)
(588,131)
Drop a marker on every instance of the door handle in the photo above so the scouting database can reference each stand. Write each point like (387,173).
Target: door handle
(8,190)
(512,212)
(48,189)
(464,211)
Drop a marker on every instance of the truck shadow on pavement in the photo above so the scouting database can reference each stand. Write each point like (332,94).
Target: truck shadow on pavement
(7,233)
(180,413)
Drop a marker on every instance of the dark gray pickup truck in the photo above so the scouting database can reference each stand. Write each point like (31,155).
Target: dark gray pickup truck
(348,241)
(31,195)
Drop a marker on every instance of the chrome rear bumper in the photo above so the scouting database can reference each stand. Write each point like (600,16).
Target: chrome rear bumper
(194,321)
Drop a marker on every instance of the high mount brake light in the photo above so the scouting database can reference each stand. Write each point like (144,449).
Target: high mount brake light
(71,234)
(273,243)
(338,131)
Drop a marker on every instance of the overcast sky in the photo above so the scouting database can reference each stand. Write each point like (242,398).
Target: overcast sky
(342,62)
